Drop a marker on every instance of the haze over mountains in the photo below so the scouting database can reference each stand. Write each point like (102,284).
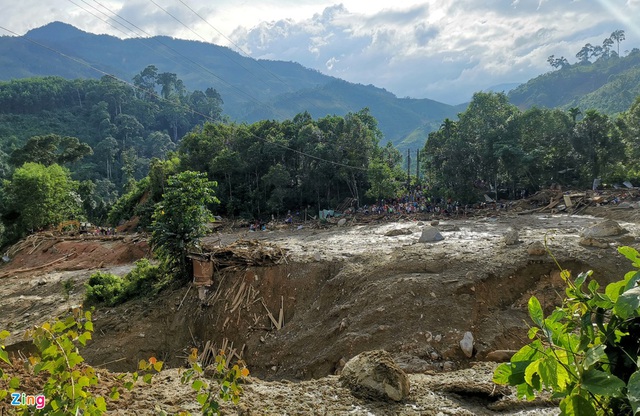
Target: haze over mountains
(253,90)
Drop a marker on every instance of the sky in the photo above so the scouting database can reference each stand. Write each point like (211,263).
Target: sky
(444,50)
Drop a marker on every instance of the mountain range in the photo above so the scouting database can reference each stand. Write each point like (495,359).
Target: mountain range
(254,90)
(251,89)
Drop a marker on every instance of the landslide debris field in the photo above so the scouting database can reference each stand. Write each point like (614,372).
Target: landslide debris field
(336,292)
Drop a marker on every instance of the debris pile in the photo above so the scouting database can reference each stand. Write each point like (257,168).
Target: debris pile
(549,201)
(244,253)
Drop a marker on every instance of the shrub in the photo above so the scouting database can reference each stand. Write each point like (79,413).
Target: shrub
(586,351)
(145,279)
(104,288)
(70,382)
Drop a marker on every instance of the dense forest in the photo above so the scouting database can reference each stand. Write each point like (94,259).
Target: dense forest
(495,147)
(253,90)
(103,150)
(71,148)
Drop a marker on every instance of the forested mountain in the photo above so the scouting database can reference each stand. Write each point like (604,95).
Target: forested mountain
(609,84)
(252,90)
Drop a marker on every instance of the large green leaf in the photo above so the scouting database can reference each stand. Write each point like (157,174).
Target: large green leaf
(630,253)
(576,405)
(594,355)
(633,391)
(628,303)
(602,383)
(613,290)
(532,376)
(535,311)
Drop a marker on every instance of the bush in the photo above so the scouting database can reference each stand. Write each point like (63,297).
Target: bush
(104,288)
(585,352)
(145,279)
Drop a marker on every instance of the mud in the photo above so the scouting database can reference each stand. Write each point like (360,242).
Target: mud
(342,291)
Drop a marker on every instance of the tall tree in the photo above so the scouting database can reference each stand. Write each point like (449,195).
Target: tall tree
(598,142)
(618,36)
(51,149)
(41,196)
(179,220)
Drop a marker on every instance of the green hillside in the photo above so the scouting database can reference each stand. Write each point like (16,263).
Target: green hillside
(609,85)
(251,90)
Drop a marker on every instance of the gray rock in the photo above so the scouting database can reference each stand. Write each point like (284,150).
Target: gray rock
(398,231)
(430,235)
(511,238)
(606,228)
(466,344)
(342,222)
(625,205)
(593,242)
(435,223)
(536,249)
(374,375)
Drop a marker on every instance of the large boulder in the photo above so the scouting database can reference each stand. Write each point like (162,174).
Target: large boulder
(430,235)
(374,375)
(608,228)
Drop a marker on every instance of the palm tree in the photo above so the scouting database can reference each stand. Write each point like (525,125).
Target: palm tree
(618,36)
(574,112)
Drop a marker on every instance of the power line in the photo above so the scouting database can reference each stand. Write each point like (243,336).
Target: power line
(184,106)
(309,103)
(230,41)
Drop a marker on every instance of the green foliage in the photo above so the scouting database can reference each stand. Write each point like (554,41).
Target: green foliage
(225,385)
(608,85)
(145,279)
(586,351)
(179,220)
(494,146)
(50,149)
(125,207)
(70,382)
(104,288)
(41,196)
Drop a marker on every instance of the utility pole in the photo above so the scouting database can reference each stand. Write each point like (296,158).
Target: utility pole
(408,168)
(418,165)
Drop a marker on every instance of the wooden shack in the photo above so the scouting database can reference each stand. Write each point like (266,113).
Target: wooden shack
(202,269)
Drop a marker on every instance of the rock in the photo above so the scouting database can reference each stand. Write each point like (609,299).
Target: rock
(536,249)
(511,238)
(435,223)
(593,242)
(398,231)
(625,205)
(448,227)
(430,235)
(606,228)
(374,375)
(627,240)
(466,344)
(342,222)
(500,356)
